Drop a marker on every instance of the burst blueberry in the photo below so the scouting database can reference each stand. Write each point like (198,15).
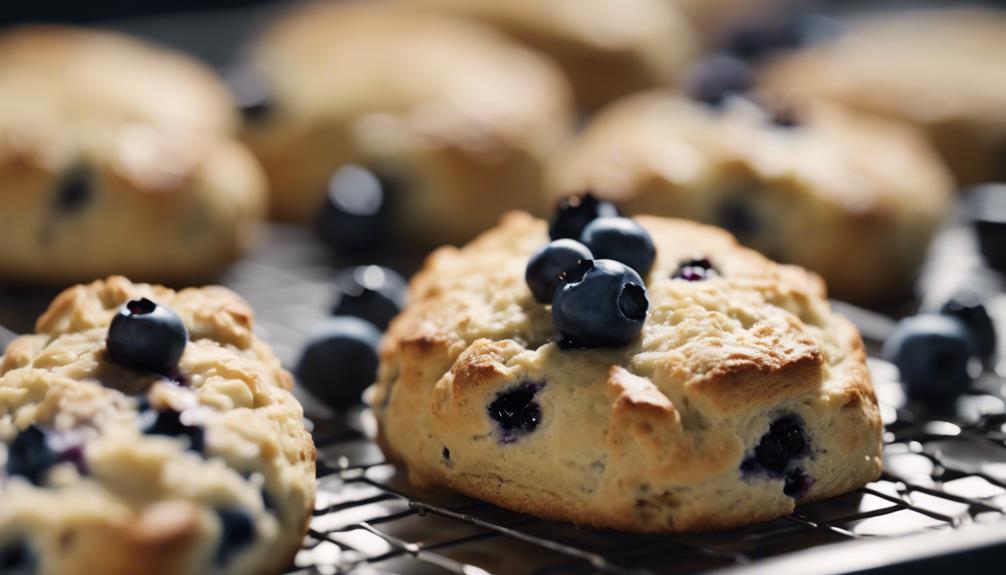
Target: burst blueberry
(622,240)
(694,270)
(373,293)
(606,308)
(516,411)
(146,335)
(573,213)
(237,533)
(783,443)
(29,456)
(340,361)
(355,214)
(553,264)
(172,423)
(932,354)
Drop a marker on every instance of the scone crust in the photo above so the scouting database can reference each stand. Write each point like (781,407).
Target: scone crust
(649,437)
(146,504)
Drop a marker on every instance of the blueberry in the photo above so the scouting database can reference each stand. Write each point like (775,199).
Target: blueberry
(237,532)
(762,37)
(169,422)
(932,354)
(516,411)
(622,240)
(251,92)
(797,483)
(29,455)
(737,217)
(783,443)
(573,213)
(986,208)
(17,558)
(355,214)
(695,269)
(75,189)
(552,261)
(146,335)
(606,308)
(715,78)
(373,293)
(967,306)
(340,361)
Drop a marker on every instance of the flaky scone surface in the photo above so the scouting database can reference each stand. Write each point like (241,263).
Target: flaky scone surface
(142,503)
(648,437)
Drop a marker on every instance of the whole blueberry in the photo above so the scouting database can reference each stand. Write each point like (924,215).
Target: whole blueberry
(967,306)
(573,213)
(29,455)
(146,335)
(340,361)
(622,240)
(170,423)
(715,78)
(606,308)
(932,354)
(550,262)
(986,208)
(516,411)
(237,532)
(695,269)
(355,214)
(17,558)
(373,293)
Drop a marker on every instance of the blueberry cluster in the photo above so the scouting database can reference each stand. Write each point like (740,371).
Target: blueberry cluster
(777,456)
(341,357)
(934,351)
(594,284)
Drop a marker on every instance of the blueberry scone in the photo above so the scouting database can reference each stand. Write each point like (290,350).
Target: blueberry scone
(148,431)
(814,184)
(453,121)
(117,157)
(608,48)
(740,395)
(940,69)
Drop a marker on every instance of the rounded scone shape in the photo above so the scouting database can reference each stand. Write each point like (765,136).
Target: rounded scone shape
(458,119)
(608,48)
(824,193)
(117,157)
(210,471)
(664,434)
(940,69)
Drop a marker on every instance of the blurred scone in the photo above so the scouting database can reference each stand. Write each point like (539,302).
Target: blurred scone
(117,157)
(944,70)
(608,48)
(853,197)
(205,468)
(743,396)
(460,119)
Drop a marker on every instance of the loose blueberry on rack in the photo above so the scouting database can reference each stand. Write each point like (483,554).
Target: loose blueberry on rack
(967,306)
(355,213)
(986,208)
(171,424)
(340,361)
(146,335)
(17,558)
(373,293)
(606,308)
(29,456)
(715,78)
(573,213)
(237,532)
(932,354)
(694,270)
(553,264)
(622,240)
(516,411)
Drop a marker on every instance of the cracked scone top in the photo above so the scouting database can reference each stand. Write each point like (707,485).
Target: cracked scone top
(743,396)
(211,471)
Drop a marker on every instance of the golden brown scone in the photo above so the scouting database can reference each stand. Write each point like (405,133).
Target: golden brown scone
(608,48)
(669,433)
(460,118)
(117,157)
(106,469)
(824,193)
(943,70)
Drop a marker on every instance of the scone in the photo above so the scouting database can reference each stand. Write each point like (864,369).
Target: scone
(205,467)
(853,197)
(457,118)
(608,48)
(669,433)
(940,69)
(117,157)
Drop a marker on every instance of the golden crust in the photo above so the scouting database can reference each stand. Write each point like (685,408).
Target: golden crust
(146,505)
(649,437)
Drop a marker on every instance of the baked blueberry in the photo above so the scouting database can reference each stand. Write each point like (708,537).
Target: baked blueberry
(373,293)
(340,361)
(573,213)
(354,214)
(172,424)
(237,532)
(516,411)
(986,207)
(606,308)
(715,78)
(932,354)
(797,483)
(146,335)
(74,189)
(550,262)
(967,306)
(29,455)
(694,270)
(17,558)
(622,240)
(783,443)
